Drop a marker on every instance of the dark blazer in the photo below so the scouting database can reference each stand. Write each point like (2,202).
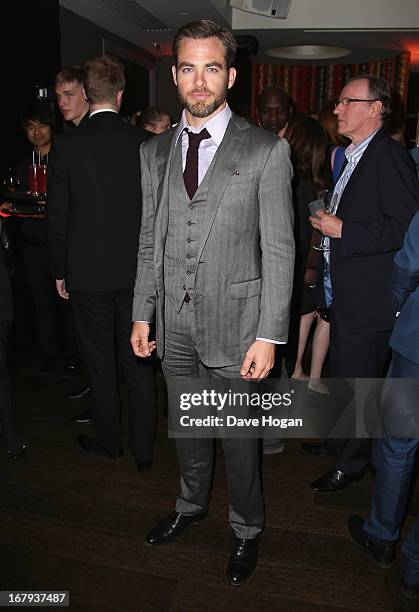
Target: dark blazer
(376,208)
(414,153)
(405,336)
(94,204)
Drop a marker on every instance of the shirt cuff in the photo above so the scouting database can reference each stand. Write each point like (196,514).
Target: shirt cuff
(271,341)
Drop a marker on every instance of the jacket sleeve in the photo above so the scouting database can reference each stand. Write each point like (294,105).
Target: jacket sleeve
(276,242)
(145,285)
(57,213)
(406,266)
(398,194)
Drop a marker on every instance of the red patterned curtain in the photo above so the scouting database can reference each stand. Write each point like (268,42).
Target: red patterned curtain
(311,87)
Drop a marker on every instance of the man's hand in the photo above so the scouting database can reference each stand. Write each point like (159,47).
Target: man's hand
(60,284)
(259,360)
(140,343)
(6,206)
(327,224)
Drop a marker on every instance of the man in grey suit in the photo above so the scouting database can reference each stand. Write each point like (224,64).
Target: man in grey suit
(215,266)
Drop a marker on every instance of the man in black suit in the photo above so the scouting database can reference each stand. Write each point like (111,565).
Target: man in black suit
(73,105)
(373,203)
(94,212)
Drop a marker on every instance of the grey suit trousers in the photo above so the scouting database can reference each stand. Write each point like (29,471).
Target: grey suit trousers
(196,455)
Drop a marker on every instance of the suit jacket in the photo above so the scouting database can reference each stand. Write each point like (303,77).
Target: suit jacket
(94,204)
(376,208)
(405,284)
(246,243)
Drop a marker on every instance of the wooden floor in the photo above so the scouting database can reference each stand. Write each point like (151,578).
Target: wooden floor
(76,522)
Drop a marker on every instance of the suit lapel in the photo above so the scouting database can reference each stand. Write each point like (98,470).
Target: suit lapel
(163,160)
(368,153)
(226,164)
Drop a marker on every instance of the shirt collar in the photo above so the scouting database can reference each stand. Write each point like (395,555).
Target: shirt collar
(103,110)
(353,149)
(216,126)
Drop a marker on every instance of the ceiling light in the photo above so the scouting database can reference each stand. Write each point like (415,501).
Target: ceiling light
(308,52)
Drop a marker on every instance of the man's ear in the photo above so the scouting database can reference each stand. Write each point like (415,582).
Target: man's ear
(119,98)
(377,107)
(232,73)
(84,93)
(174,74)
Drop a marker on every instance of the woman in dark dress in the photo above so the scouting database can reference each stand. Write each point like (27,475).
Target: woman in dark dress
(312,176)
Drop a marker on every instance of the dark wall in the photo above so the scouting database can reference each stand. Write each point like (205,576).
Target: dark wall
(30,55)
(166,93)
(76,49)
(91,41)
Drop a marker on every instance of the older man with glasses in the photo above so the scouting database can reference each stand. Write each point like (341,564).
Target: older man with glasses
(373,203)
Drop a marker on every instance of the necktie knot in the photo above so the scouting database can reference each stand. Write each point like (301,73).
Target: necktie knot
(195,139)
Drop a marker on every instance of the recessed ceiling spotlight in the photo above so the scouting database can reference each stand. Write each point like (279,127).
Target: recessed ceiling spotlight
(184,14)
(308,52)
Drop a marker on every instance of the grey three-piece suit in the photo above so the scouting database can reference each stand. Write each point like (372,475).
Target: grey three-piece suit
(230,249)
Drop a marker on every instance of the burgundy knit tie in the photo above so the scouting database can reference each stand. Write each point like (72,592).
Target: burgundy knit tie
(190,174)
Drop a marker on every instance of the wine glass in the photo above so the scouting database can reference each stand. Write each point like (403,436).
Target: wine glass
(11,182)
(326,196)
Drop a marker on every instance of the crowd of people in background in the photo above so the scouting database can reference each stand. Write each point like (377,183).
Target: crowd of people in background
(80,266)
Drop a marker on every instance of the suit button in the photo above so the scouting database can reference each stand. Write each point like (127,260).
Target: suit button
(189,223)
(188,272)
(188,240)
(184,287)
(191,206)
(188,256)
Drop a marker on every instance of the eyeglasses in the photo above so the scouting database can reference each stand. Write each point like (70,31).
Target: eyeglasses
(347,101)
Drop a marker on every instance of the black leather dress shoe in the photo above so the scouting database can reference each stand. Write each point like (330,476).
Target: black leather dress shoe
(18,453)
(336,480)
(79,393)
(90,446)
(83,417)
(381,552)
(320,449)
(410,591)
(144,467)
(171,527)
(243,560)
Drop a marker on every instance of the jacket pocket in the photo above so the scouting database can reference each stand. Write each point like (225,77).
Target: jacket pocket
(246,289)
(242,177)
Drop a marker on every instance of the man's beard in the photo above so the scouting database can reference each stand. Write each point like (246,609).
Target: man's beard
(203,108)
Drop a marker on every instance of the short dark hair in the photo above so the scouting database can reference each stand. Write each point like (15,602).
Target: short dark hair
(151,115)
(69,74)
(104,76)
(276,90)
(41,111)
(378,89)
(205,28)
